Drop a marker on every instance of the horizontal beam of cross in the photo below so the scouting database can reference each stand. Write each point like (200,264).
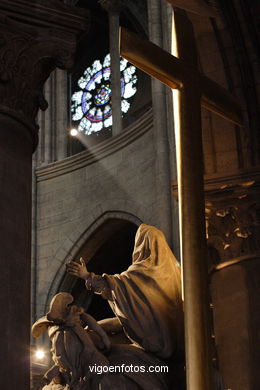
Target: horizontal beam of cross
(175,73)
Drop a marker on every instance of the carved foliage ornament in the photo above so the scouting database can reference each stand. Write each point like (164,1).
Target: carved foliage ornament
(232,230)
(27,57)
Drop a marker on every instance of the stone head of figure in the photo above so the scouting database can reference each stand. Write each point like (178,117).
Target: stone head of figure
(62,311)
(147,241)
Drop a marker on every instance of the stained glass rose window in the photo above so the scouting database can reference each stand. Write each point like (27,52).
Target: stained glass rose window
(91,103)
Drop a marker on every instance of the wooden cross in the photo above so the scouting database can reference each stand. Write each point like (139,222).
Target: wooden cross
(195,90)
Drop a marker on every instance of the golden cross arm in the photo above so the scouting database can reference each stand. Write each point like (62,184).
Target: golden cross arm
(175,72)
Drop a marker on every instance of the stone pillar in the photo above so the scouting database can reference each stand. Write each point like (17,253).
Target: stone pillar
(113,8)
(61,109)
(233,231)
(15,229)
(53,122)
(39,154)
(27,56)
(161,144)
(48,128)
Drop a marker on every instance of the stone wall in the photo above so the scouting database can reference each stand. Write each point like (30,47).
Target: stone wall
(115,179)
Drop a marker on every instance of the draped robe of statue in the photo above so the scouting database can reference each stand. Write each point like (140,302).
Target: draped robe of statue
(74,352)
(146,298)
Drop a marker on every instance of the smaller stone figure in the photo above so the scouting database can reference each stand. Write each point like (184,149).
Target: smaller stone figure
(73,348)
(148,324)
(84,357)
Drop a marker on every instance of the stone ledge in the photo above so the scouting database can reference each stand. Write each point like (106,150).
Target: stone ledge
(238,260)
(228,184)
(98,152)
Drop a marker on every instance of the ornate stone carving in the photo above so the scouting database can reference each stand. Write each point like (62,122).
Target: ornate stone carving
(232,209)
(231,230)
(147,328)
(232,217)
(28,54)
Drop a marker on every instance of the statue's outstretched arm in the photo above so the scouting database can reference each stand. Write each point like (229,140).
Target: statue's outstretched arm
(95,283)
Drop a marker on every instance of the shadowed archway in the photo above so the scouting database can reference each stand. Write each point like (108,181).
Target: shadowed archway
(108,250)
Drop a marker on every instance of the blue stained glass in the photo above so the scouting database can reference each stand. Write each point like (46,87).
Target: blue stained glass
(122,86)
(84,103)
(103,95)
(91,104)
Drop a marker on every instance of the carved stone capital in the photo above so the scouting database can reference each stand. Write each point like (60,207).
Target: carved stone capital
(232,210)
(231,230)
(30,49)
(232,215)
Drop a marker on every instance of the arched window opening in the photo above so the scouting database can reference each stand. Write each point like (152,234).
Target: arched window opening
(91,102)
(90,88)
(110,251)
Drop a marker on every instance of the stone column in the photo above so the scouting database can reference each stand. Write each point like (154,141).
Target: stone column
(48,128)
(61,109)
(54,121)
(161,142)
(39,158)
(27,56)
(233,231)
(113,7)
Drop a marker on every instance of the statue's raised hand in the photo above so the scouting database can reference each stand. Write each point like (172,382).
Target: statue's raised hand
(76,269)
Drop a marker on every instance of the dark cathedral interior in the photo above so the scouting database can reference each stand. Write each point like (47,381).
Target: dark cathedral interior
(118,113)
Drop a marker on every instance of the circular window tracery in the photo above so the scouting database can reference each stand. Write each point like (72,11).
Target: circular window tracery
(91,104)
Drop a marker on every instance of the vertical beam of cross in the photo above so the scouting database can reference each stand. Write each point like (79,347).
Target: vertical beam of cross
(194,90)
(187,113)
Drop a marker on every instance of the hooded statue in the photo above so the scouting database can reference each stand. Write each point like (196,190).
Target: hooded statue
(147,303)
(146,298)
